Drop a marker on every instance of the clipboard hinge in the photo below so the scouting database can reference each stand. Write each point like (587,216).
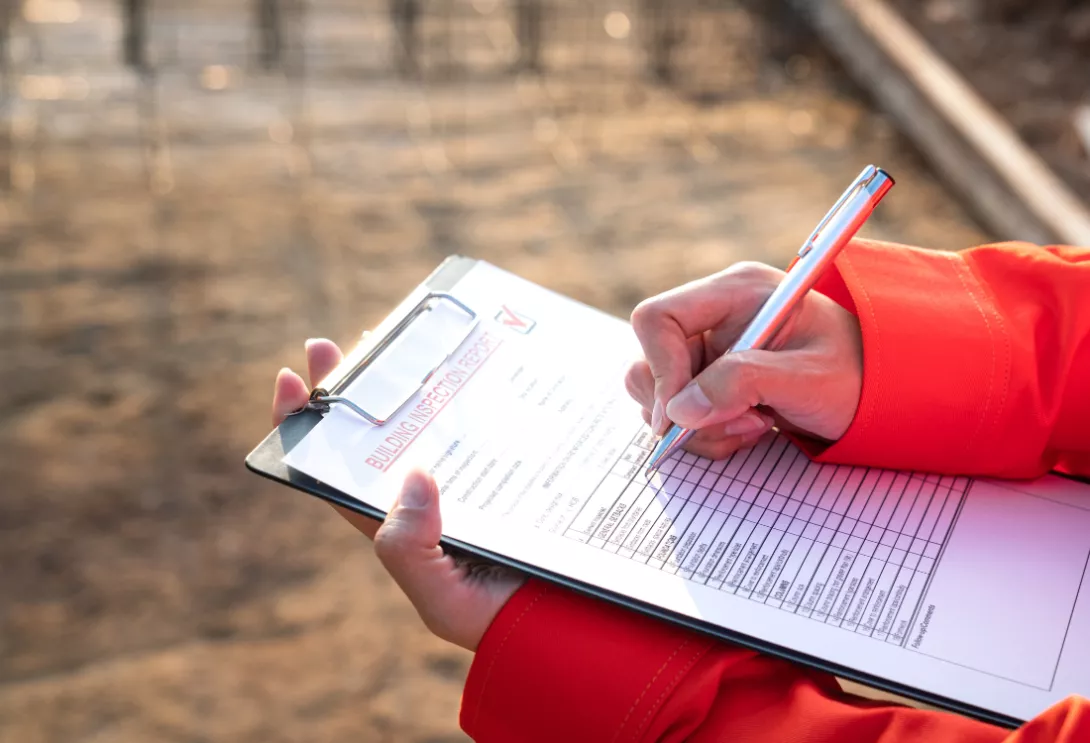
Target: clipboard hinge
(321,399)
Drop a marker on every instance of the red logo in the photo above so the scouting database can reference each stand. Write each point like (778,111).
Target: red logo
(516,321)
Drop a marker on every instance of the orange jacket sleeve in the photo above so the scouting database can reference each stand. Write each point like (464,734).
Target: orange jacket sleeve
(973,363)
(556,666)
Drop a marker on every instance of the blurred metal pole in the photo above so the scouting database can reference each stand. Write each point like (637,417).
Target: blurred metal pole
(136,33)
(528,32)
(270,27)
(5,30)
(7,91)
(662,35)
(403,17)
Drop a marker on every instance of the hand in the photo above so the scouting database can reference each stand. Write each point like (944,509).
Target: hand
(457,601)
(808,380)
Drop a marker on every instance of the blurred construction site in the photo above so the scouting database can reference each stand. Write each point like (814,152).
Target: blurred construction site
(191,188)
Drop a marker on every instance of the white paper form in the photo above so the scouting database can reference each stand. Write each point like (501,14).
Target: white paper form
(973,590)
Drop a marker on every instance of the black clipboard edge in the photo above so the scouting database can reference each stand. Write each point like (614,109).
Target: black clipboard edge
(330,495)
(266,460)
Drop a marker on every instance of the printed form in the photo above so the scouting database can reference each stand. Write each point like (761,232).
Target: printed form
(972,590)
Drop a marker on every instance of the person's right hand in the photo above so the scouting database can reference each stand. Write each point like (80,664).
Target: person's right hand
(808,380)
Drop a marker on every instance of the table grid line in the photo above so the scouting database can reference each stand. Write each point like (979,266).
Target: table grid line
(870,558)
(764,455)
(643,518)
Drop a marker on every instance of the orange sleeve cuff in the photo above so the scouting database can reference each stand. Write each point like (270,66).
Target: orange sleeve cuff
(936,361)
(555,663)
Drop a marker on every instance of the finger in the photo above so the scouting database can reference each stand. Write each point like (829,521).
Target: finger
(407,543)
(289,394)
(725,437)
(737,382)
(714,450)
(664,324)
(723,447)
(640,384)
(322,358)
(750,423)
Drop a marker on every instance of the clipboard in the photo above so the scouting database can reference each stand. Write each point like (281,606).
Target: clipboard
(266,460)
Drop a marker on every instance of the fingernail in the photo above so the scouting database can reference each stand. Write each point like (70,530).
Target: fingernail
(656,418)
(309,342)
(690,406)
(743,424)
(415,495)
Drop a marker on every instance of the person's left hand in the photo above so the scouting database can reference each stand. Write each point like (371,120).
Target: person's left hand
(456,601)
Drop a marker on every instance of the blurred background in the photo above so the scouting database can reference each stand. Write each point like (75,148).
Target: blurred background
(191,188)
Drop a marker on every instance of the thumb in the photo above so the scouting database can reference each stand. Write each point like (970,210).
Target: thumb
(736,383)
(407,543)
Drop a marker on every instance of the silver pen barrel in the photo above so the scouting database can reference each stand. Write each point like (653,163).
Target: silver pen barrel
(818,252)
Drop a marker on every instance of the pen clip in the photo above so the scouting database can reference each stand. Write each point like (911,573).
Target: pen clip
(861,180)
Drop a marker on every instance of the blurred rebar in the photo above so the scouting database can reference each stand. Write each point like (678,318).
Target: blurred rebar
(270,31)
(529,33)
(5,30)
(663,34)
(134,40)
(403,17)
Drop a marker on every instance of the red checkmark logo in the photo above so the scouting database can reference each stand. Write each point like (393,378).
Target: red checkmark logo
(514,320)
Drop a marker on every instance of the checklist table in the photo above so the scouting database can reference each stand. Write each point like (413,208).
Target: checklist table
(849,546)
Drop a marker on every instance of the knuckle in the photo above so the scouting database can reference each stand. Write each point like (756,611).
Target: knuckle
(734,383)
(742,372)
(645,314)
(387,543)
(754,272)
(744,377)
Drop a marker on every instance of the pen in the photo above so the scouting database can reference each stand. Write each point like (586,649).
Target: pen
(832,233)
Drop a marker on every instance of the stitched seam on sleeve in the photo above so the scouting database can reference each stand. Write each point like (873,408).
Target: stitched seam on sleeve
(1005,336)
(496,654)
(669,688)
(636,703)
(868,414)
(960,268)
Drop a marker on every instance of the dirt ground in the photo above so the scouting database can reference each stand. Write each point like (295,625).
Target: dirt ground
(168,241)
(1030,59)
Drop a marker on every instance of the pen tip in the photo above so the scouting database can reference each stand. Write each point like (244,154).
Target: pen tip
(652,464)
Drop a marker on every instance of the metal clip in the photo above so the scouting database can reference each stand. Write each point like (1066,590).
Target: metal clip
(861,181)
(321,399)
